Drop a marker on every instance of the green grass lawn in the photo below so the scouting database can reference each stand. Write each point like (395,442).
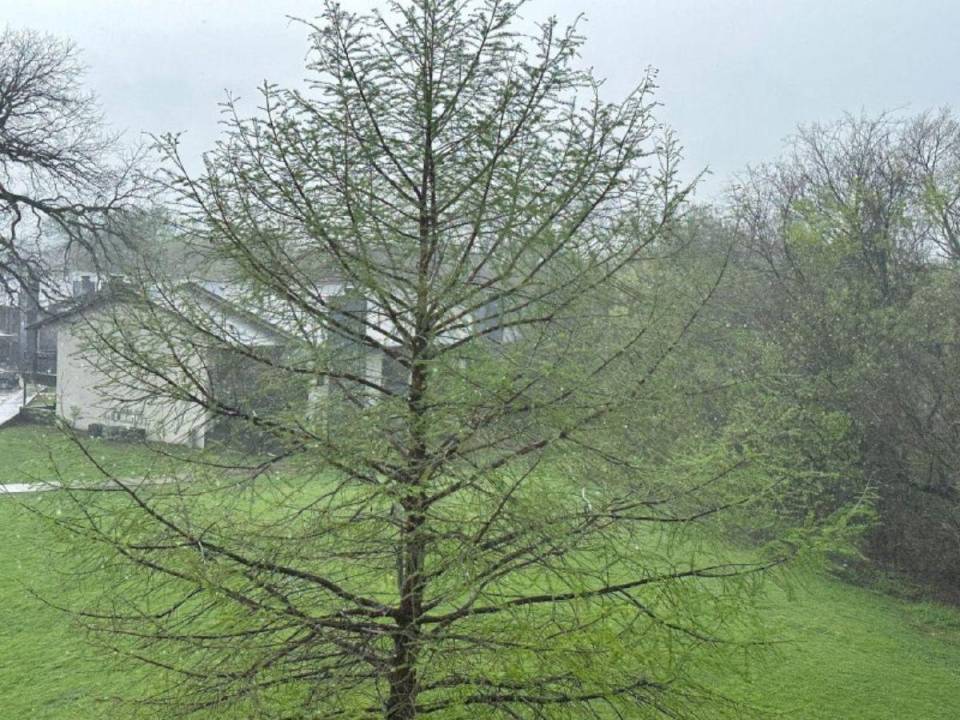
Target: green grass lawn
(47,670)
(851,653)
(40,453)
(854,653)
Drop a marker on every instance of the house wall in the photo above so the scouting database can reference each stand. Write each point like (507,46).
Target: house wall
(85,396)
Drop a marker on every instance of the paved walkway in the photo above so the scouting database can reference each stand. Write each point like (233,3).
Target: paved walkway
(21,488)
(24,488)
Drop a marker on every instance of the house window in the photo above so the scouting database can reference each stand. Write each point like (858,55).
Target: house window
(346,332)
(394,376)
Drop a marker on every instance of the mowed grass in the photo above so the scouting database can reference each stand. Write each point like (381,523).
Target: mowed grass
(852,653)
(41,453)
(849,653)
(47,668)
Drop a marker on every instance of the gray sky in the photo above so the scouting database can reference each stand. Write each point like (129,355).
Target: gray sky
(736,76)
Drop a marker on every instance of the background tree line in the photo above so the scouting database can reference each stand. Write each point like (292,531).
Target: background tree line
(848,266)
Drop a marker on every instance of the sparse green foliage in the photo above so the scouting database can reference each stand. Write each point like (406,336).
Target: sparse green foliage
(456,516)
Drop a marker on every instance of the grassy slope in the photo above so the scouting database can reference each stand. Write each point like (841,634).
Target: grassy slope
(854,654)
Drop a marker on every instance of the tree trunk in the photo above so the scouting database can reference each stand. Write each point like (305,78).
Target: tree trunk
(402,703)
(404,683)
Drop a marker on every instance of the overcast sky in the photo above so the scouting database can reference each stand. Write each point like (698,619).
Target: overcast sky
(736,76)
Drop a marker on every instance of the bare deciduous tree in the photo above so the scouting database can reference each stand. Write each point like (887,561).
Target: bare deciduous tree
(932,149)
(61,176)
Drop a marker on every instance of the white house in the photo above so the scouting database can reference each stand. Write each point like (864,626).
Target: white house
(97,393)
